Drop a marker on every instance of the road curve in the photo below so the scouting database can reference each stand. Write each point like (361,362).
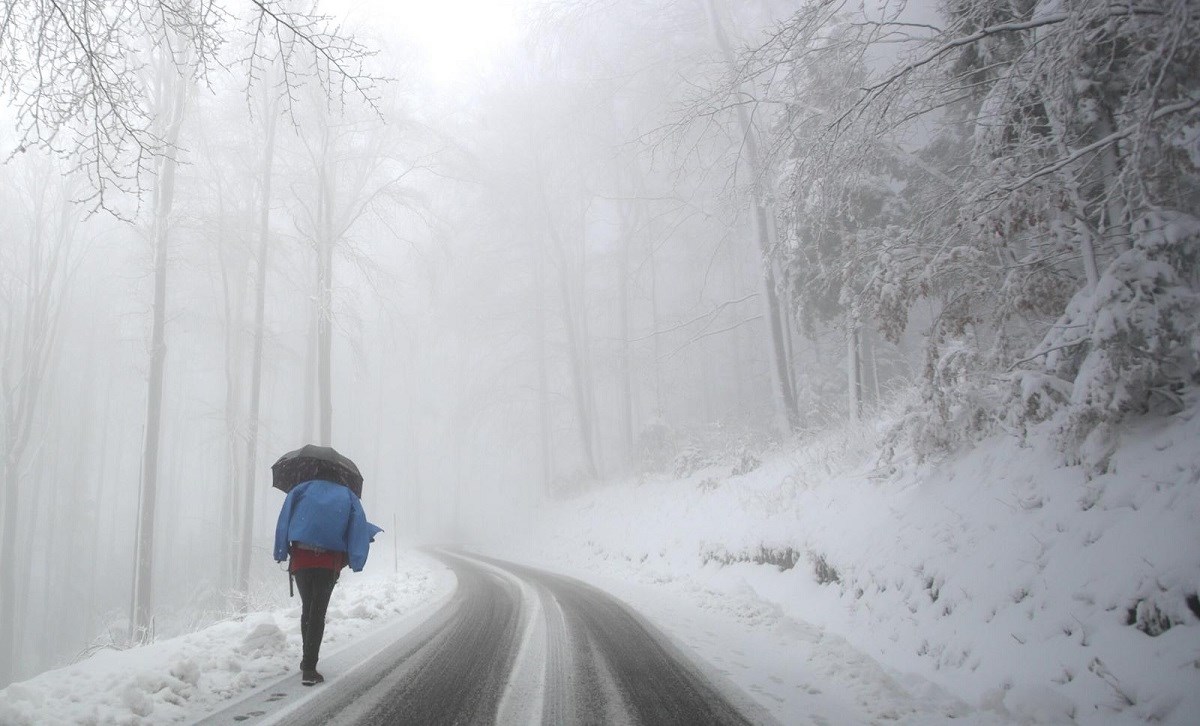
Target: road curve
(594,660)
(615,667)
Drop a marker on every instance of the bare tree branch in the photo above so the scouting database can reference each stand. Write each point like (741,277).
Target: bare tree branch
(73,71)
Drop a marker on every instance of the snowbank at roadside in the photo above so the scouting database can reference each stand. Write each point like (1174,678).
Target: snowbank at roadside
(184,677)
(1001,575)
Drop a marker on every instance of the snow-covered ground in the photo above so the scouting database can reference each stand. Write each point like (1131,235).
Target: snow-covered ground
(996,586)
(182,678)
(837,591)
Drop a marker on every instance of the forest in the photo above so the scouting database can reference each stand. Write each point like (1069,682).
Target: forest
(512,260)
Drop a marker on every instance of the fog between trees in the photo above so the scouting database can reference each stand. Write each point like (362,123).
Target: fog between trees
(644,232)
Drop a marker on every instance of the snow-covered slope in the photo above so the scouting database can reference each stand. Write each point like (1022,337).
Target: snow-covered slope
(182,678)
(1003,576)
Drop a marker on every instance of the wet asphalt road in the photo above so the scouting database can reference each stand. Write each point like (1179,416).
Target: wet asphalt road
(589,658)
(607,665)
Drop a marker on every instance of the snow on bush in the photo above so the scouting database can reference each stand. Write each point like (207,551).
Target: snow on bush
(1133,343)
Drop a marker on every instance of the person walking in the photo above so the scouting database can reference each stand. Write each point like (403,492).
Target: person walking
(321,529)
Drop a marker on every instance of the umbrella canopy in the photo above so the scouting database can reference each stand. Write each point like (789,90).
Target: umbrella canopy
(315,462)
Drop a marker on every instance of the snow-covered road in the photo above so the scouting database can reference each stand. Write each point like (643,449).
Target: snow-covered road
(513,644)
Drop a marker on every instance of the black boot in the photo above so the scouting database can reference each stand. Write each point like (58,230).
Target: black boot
(310,676)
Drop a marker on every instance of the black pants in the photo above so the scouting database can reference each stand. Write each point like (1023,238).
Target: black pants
(315,585)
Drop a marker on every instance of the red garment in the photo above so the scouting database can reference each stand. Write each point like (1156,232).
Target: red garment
(304,558)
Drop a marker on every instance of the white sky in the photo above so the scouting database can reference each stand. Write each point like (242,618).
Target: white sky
(454,36)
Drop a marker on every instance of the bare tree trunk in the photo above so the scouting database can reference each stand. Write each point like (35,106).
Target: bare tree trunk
(143,604)
(853,377)
(782,374)
(579,381)
(1115,223)
(164,197)
(55,577)
(876,391)
(325,297)
(325,344)
(310,376)
(1083,230)
(232,284)
(788,333)
(25,553)
(414,433)
(544,432)
(78,514)
(655,325)
(8,573)
(585,356)
(629,229)
(709,382)
(583,415)
(735,336)
(20,381)
(418,520)
(260,306)
(28,334)
(762,232)
(101,473)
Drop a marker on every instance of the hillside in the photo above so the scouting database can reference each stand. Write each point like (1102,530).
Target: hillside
(1002,575)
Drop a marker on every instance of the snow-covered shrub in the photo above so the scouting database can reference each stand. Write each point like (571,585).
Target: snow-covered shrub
(825,573)
(782,557)
(1130,345)
(1037,396)
(690,460)
(1147,617)
(958,405)
(113,635)
(785,558)
(735,447)
(745,451)
(745,461)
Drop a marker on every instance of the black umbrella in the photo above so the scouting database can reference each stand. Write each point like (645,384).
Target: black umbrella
(315,462)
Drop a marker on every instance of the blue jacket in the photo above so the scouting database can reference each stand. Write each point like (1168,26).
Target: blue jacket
(325,515)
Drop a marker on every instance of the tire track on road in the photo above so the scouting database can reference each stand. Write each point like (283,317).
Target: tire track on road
(607,646)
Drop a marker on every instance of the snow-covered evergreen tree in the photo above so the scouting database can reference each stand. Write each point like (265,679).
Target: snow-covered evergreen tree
(1049,156)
